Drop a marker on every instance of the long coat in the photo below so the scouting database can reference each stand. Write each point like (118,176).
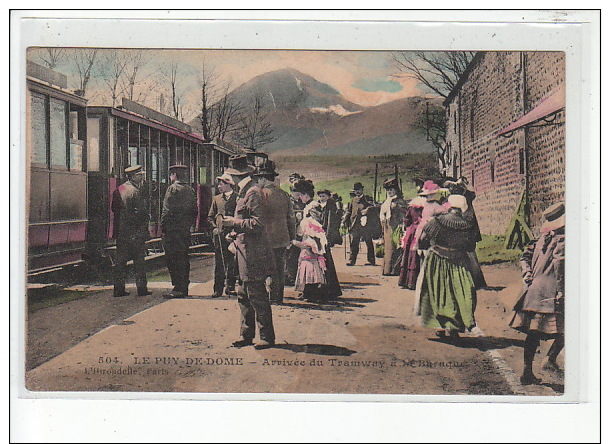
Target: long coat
(278,216)
(391,261)
(543,269)
(179,208)
(331,221)
(253,252)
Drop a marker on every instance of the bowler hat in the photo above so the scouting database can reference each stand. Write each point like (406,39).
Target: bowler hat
(327,192)
(238,165)
(133,169)
(358,186)
(267,168)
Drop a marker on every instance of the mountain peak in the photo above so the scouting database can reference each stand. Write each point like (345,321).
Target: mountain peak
(289,88)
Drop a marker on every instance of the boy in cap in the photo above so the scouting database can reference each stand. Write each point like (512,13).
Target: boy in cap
(223,204)
(130,207)
(178,215)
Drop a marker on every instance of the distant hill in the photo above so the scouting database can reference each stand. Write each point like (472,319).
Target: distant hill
(310,117)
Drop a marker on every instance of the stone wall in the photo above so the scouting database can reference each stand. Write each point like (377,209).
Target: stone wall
(498,89)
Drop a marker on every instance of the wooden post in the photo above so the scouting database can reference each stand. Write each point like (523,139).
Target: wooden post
(375,187)
(398,181)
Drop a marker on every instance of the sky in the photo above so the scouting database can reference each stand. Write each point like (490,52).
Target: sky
(366,78)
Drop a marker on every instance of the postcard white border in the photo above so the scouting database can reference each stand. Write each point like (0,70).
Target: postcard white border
(564,31)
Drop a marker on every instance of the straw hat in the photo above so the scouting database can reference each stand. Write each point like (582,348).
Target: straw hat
(554,217)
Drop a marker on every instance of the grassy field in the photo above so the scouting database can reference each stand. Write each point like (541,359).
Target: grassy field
(491,250)
(339,173)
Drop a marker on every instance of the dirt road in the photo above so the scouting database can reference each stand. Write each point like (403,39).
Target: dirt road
(368,341)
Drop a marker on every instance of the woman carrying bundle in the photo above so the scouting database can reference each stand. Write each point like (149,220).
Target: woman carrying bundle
(448,295)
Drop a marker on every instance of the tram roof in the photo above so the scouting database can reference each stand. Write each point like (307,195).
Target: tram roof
(150,122)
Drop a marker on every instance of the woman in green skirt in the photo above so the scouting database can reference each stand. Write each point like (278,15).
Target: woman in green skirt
(448,296)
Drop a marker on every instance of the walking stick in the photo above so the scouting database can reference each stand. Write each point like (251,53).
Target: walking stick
(222,254)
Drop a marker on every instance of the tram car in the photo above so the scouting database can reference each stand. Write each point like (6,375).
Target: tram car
(56,147)
(133,134)
(77,157)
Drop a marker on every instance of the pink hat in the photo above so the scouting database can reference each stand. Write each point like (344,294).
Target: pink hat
(429,188)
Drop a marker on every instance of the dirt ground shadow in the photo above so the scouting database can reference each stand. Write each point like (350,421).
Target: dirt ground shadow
(483,343)
(317,349)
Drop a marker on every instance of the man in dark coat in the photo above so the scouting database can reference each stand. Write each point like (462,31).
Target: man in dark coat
(331,217)
(355,219)
(279,222)
(254,257)
(223,204)
(130,207)
(292,256)
(177,218)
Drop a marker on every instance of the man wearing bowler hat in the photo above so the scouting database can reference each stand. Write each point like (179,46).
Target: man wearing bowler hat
(223,204)
(279,222)
(355,219)
(254,256)
(130,207)
(178,215)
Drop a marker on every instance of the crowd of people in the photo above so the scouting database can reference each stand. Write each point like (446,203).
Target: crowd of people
(265,239)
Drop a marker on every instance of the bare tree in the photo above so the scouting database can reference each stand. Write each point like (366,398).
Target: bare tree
(206,84)
(433,122)
(85,61)
(256,131)
(52,57)
(133,74)
(438,71)
(226,114)
(112,73)
(172,76)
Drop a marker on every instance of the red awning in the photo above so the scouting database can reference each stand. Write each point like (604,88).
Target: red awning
(554,102)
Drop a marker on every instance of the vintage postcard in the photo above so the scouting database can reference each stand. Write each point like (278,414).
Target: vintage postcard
(329,221)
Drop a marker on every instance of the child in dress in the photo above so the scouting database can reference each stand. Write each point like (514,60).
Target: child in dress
(312,264)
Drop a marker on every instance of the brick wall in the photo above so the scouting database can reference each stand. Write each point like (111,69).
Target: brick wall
(499,88)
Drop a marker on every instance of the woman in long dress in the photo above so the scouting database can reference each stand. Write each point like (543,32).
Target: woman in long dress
(410,261)
(330,288)
(391,215)
(539,312)
(460,187)
(433,194)
(448,295)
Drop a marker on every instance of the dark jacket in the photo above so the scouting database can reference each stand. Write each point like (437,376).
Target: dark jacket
(179,208)
(130,206)
(356,209)
(253,252)
(450,235)
(278,216)
(331,221)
